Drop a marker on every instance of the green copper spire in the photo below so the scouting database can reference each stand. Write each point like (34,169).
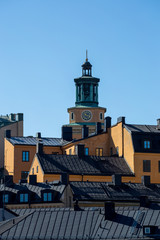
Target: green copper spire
(86,86)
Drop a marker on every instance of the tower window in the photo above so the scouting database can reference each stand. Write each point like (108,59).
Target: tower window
(72,116)
(101,116)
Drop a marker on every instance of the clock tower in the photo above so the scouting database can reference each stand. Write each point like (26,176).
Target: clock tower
(86,110)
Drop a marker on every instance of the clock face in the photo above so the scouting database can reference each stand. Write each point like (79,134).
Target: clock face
(86,115)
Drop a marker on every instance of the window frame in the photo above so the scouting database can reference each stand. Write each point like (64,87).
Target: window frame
(99,152)
(147,144)
(25,156)
(47,196)
(146,165)
(4,198)
(86,149)
(23,197)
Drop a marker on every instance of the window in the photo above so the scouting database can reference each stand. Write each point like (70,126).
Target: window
(99,151)
(111,151)
(24,197)
(25,156)
(5,198)
(86,151)
(72,116)
(101,116)
(37,169)
(32,170)
(24,174)
(147,144)
(159,166)
(146,165)
(47,197)
(70,151)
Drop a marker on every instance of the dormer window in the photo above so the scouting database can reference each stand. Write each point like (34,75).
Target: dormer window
(5,198)
(23,197)
(47,197)
(147,144)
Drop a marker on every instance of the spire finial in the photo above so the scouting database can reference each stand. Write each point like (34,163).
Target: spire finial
(86,55)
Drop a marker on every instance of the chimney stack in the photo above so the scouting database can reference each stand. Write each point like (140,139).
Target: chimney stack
(84,131)
(38,135)
(121,119)
(98,128)
(146,180)
(67,133)
(39,148)
(64,178)
(80,150)
(144,201)
(33,179)
(7,133)
(116,180)
(109,210)
(107,123)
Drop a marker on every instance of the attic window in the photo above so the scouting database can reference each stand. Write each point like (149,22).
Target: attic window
(24,197)
(47,197)
(147,144)
(5,198)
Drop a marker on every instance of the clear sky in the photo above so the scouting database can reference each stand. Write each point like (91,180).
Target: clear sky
(42,47)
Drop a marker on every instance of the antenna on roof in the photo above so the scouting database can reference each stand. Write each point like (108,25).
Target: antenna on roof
(86,55)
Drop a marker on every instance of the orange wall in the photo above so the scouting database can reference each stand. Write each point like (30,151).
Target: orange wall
(128,149)
(116,138)
(138,165)
(13,157)
(97,141)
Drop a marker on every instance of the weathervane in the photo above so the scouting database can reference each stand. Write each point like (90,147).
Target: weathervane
(86,55)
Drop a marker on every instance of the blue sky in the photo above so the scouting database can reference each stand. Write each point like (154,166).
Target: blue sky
(42,47)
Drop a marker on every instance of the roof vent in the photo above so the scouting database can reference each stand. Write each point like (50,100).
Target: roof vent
(109,210)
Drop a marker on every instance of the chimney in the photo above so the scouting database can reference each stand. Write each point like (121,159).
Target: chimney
(39,148)
(109,209)
(12,117)
(107,123)
(38,135)
(146,180)
(121,119)
(33,179)
(76,206)
(80,150)
(98,127)
(22,181)
(116,179)
(7,133)
(158,124)
(19,117)
(64,178)
(144,201)
(8,180)
(84,131)
(67,133)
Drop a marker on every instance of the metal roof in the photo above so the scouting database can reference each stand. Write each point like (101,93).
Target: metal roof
(100,191)
(73,164)
(88,224)
(33,141)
